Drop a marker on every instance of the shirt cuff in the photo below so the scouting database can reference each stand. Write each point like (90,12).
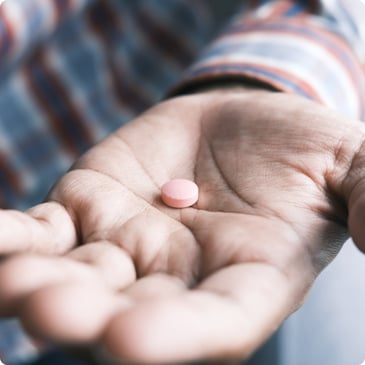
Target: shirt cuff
(296,54)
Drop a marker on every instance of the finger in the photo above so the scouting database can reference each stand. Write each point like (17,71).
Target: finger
(357,218)
(157,285)
(356,215)
(227,317)
(46,228)
(72,312)
(24,274)
(113,264)
(99,262)
(78,311)
(347,181)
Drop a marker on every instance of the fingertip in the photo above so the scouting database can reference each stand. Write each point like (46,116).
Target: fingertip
(16,281)
(69,312)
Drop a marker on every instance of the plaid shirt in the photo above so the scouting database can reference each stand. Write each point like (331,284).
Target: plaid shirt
(72,71)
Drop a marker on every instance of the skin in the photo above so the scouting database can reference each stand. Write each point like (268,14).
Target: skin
(107,263)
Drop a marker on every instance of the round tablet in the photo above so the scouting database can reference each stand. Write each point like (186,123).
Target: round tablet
(179,193)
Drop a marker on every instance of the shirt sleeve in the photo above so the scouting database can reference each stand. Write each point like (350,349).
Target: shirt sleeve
(310,48)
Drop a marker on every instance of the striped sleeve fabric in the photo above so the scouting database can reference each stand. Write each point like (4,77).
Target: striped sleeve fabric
(311,48)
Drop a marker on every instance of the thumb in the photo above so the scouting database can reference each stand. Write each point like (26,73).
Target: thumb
(353,187)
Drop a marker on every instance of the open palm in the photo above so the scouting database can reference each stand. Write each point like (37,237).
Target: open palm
(108,263)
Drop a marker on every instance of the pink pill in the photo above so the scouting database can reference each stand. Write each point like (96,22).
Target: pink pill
(179,193)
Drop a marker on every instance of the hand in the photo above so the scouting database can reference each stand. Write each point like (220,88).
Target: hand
(108,263)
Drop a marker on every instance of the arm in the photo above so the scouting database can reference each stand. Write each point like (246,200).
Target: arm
(223,274)
(315,52)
